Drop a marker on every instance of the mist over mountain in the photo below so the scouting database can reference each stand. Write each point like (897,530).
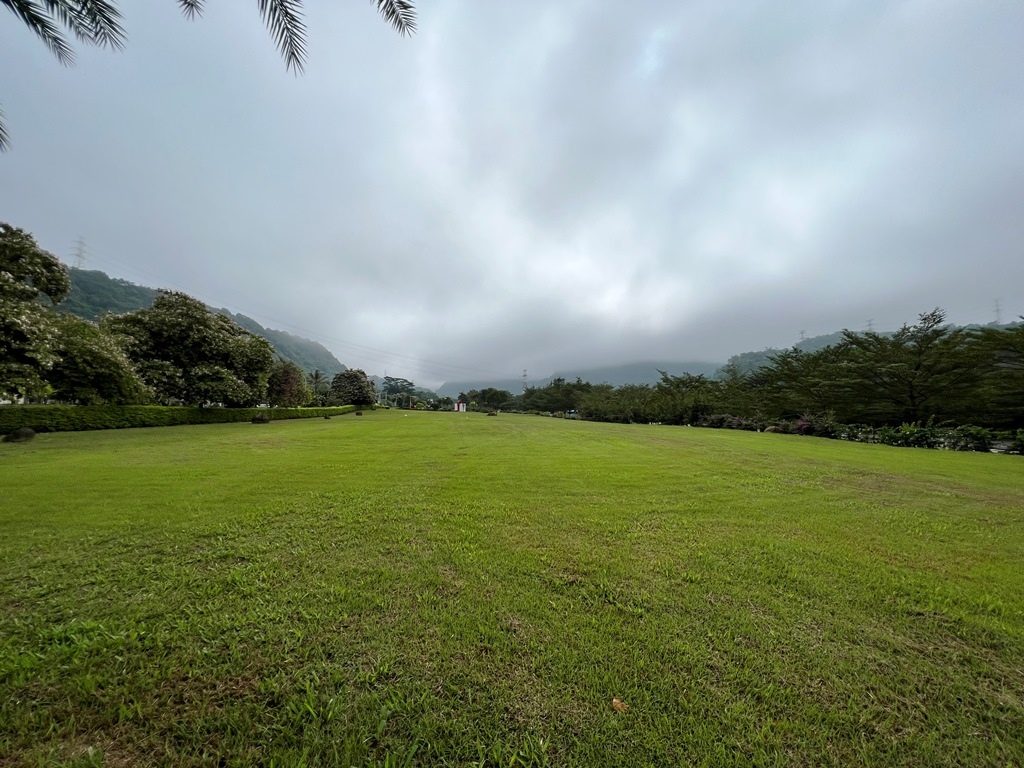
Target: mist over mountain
(632,373)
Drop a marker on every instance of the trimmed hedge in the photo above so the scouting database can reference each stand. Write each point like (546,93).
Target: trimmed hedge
(73,418)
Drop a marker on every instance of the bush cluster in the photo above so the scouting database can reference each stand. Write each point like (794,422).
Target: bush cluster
(915,435)
(73,418)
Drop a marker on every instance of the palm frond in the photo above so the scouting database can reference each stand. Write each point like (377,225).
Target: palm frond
(97,22)
(39,21)
(191,8)
(5,141)
(284,20)
(401,14)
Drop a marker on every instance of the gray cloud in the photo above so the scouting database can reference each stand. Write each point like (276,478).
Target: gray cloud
(541,185)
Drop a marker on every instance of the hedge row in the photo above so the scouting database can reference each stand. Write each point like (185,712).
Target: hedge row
(73,418)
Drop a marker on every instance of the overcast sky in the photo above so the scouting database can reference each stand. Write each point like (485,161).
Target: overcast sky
(539,184)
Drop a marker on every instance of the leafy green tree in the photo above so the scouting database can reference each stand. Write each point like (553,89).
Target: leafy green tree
(683,399)
(318,384)
(398,391)
(737,396)
(923,370)
(188,354)
(795,382)
(91,368)
(489,397)
(30,279)
(98,22)
(351,387)
(628,404)
(392,385)
(286,385)
(557,395)
(1004,349)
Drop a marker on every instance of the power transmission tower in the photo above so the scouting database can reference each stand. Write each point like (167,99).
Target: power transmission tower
(525,382)
(79,262)
(999,313)
(803,335)
(871,325)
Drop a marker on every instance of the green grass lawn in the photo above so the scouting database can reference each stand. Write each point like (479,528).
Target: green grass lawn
(450,589)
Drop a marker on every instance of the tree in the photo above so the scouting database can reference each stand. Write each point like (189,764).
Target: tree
(392,385)
(558,395)
(187,353)
(91,368)
(98,22)
(683,399)
(351,387)
(795,382)
(922,370)
(286,386)
(493,398)
(1004,348)
(318,385)
(28,331)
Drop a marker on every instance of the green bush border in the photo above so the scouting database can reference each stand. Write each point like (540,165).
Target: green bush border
(74,418)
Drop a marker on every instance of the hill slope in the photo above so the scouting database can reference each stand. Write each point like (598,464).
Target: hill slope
(94,293)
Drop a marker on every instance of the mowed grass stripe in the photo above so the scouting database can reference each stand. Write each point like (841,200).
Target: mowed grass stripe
(451,589)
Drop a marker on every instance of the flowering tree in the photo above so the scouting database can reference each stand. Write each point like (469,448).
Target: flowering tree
(31,281)
(188,354)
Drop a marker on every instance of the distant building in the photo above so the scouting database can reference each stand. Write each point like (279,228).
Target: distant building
(460,407)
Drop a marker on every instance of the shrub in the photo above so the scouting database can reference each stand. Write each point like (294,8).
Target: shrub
(713,421)
(261,418)
(1017,444)
(20,435)
(910,436)
(969,439)
(72,418)
(816,425)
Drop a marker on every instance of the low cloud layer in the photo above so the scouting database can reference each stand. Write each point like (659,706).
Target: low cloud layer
(539,185)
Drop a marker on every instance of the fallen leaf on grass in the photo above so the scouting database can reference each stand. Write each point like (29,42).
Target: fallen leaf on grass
(619,705)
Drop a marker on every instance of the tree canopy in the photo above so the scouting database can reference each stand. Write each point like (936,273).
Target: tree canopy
(351,387)
(28,332)
(91,369)
(188,354)
(286,385)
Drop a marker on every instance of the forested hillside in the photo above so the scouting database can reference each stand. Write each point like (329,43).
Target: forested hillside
(305,353)
(93,294)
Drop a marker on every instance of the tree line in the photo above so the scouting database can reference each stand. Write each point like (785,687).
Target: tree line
(176,351)
(928,371)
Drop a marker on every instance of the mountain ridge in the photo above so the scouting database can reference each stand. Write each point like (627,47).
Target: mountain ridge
(94,293)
